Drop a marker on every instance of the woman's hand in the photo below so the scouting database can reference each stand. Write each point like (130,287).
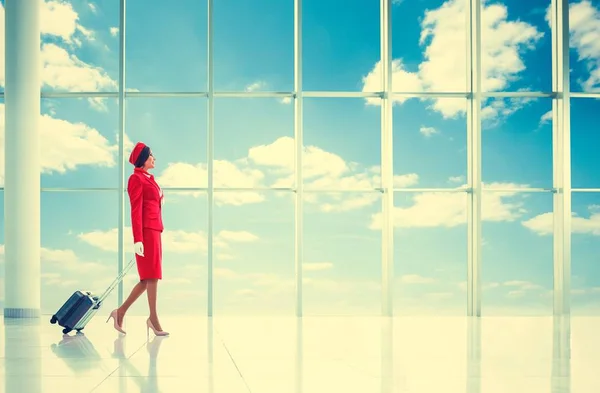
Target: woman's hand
(138,248)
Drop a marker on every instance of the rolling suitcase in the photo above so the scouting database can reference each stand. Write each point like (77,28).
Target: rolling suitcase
(77,311)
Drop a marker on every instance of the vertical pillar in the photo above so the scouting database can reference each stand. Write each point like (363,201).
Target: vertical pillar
(22,159)
(474,158)
(298,151)
(387,166)
(210,156)
(562,156)
(121,224)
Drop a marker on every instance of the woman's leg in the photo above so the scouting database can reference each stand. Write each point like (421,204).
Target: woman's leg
(152,291)
(136,292)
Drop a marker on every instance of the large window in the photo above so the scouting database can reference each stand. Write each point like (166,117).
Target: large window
(79,245)
(319,159)
(430,250)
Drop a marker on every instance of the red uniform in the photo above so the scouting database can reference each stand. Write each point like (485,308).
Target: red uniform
(146,199)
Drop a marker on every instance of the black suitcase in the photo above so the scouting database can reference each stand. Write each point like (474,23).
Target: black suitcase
(79,309)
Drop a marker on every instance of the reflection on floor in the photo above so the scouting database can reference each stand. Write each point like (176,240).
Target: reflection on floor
(309,355)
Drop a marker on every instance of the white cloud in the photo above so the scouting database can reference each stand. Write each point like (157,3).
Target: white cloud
(546,117)
(495,109)
(64,260)
(223,256)
(176,241)
(316,266)
(584,28)
(58,19)
(258,85)
(522,285)
(439,295)
(450,209)
(226,174)
(428,131)
(443,37)
(67,146)
(485,286)
(543,224)
(324,170)
(62,70)
(273,165)
(114,31)
(456,179)
(415,279)
(237,236)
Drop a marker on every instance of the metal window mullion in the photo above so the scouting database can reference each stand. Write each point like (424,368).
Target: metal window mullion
(299,147)
(566,167)
(387,170)
(210,157)
(121,223)
(562,158)
(473,21)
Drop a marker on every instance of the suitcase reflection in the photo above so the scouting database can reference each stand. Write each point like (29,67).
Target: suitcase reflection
(79,353)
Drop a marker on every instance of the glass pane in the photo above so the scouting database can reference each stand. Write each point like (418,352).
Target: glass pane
(254,144)
(79,246)
(260,35)
(2,262)
(340,45)
(176,131)
(254,266)
(429,46)
(584,19)
(167,45)
(516,43)
(516,142)
(342,144)
(2,144)
(80,45)
(183,288)
(79,142)
(430,253)
(585,248)
(342,254)
(2,45)
(436,130)
(585,139)
(517,254)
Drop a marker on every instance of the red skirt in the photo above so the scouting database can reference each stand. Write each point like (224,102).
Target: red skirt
(150,265)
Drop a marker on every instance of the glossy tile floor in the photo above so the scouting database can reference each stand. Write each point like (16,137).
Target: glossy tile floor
(309,355)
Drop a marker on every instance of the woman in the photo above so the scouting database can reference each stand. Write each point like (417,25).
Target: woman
(146,199)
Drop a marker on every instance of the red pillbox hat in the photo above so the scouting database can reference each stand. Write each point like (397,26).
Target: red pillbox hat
(135,153)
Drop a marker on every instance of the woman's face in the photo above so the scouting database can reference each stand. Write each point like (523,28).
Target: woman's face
(149,164)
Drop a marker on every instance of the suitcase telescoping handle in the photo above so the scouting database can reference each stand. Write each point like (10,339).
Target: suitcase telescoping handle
(117,280)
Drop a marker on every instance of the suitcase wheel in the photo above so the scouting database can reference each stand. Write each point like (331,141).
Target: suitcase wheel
(66,330)
(53,320)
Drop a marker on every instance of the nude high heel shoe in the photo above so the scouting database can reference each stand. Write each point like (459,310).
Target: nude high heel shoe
(113,315)
(149,326)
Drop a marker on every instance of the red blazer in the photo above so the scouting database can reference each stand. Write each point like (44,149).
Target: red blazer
(146,199)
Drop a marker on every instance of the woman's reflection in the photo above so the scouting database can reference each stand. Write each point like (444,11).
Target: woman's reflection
(148,384)
(81,356)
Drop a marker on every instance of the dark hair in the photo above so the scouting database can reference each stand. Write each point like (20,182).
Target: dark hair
(144,154)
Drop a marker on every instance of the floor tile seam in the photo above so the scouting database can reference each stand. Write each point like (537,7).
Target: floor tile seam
(217,333)
(118,367)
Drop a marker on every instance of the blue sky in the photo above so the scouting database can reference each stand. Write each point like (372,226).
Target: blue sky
(254,244)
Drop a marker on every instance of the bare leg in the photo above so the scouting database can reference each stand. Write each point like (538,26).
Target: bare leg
(136,292)
(152,291)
